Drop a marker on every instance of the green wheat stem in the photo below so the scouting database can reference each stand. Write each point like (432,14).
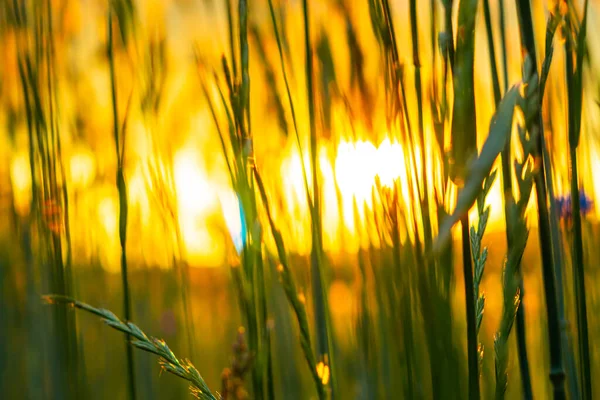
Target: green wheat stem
(289,285)
(33,333)
(182,368)
(472,346)
(310,203)
(480,254)
(424,201)
(507,191)
(399,284)
(364,325)
(433,38)
(580,296)
(574,91)
(238,161)
(414,29)
(464,146)
(324,349)
(551,27)
(464,138)
(557,373)
(558,259)
(423,187)
(449,33)
(245,77)
(123,205)
(45,158)
(230,25)
(261,373)
(518,233)
(491,51)
(501,13)
(70,322)
(291,102)
(511,294)
(479,170)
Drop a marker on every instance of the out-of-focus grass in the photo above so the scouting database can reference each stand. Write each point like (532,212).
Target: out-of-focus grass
(380,318)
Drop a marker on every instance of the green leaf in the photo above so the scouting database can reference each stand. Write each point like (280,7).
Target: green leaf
(479,170)
(125,12)
(328,80)
(464,131)
(578,79)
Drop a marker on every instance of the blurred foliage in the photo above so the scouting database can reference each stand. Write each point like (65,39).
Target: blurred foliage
(246,174)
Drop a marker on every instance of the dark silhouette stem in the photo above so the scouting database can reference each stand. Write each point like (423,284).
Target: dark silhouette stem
(557,372)
(507,190)
(122,189)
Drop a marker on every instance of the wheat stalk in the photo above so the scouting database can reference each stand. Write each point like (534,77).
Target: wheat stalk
(518,231)
(479,254)
(168,361)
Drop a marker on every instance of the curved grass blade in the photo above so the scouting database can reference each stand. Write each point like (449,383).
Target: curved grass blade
(182,368)
(480,168)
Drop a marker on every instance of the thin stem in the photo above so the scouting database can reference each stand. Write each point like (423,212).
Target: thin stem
(231,37)
(503,45)
(418,88)
(449,31)
(122,189)
(252,256)
(522,346)
(579,282)
(558,260)
(317,273)
(289,286)
(289,96)
(578,261)
(472,356)
(491,50)
(551,27)
(507,190)
(557,373)
(245,75)
(463,147)
(432,31)
(71,323)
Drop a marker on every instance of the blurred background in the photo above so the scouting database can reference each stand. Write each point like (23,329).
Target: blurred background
(59,203)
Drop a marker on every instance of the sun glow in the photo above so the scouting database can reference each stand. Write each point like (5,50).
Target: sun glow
(353,156)
(205,202)
(197,200)
(200,199)
(82,168)
(348,179)
(20,175)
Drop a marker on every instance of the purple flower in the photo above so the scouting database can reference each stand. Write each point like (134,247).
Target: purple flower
(565,208)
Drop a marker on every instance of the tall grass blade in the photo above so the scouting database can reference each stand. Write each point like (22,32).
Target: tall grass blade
(463,138)
(518,233)
(480,168)
(553,22)
(507,186)
(324,349)
(575,94)
(297,302)
(119,138)
(48,214)
(182,368)
(463,148)
(557,373)
(280,50)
